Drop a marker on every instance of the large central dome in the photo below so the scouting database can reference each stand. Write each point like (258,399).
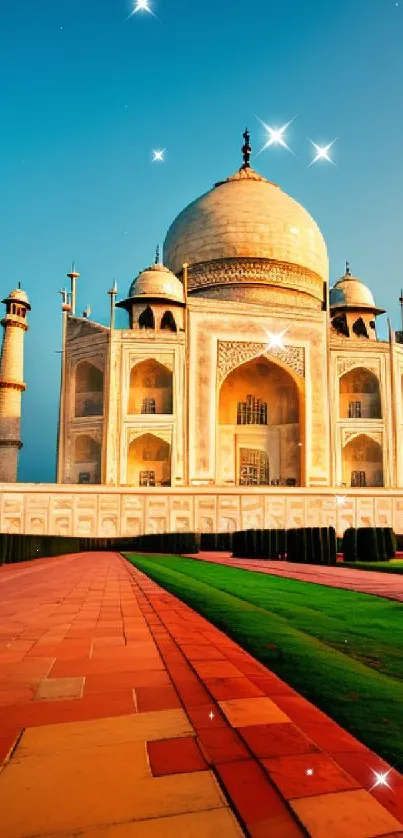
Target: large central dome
(246,230)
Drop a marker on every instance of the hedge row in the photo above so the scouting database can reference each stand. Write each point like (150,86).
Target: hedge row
(22,548)
(259,544)
(316,545)
(312,545)
(369,544)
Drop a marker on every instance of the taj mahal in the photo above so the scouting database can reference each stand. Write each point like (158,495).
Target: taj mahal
(242,392)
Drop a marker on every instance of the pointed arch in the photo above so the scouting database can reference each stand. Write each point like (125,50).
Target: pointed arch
(147,319)
(151,388)
(261,418)
(360,396)
(87,459)
(168,321)
(89,390)
(363,462)
(149,461)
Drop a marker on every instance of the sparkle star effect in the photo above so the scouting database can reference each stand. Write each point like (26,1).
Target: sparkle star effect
(141,6)
(309,772)
(322,152)
(340,500)
(159,156)
(381,779)
(276,136)
(275,341)
(211,715)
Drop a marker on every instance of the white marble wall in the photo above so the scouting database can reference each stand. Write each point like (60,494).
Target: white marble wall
(122,511)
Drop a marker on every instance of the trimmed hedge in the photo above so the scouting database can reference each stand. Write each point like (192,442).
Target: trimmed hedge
(22,548)
(259,544)
(313,545)
(369,544)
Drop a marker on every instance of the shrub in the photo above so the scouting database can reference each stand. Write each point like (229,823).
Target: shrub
(367,544)
(350,553)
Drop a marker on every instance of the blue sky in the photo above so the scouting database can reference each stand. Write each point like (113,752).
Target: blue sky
(86,96)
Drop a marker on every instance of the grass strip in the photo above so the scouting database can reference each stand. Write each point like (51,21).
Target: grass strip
(286,626)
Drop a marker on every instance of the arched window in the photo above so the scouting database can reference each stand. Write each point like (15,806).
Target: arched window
(146,319)
(150,388)
(262,394)
(362,462)
(360,396)
(89,390)
(168,322)
(149,461)
(87,460)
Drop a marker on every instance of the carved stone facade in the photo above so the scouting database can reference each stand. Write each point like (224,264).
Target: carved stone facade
(110,513)
(255,271)
(231,354)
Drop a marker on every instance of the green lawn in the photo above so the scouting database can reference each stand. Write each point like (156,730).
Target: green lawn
(340,649)
(394,566)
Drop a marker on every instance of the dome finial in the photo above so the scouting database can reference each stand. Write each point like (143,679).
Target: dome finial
(348,272)
(157,255)
(246,150)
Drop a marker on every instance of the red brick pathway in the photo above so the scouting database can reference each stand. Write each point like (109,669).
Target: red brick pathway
(386,585)
(89,637)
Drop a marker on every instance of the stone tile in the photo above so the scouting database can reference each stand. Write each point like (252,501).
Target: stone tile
(156,698)
(173,756)
(224,688)
(241,712)
(276,740)
(105,731)
(204,824)
(257,802)
(289,773)
(348,814)
(123,785)
(53,688)
(217,669)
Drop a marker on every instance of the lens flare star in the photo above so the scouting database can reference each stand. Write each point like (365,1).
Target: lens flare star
(158,156)
(322,152)
(141,6)
(381,779)
(276,136)
(275,341)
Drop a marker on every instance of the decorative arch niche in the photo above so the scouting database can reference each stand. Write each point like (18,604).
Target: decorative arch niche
(151,388)
(363,462)
(87,459)
(149,461)
(89,390)
(360,396)
(147,319)
(168,322)
(260,417)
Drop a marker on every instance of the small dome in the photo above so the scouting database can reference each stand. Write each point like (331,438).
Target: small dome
(246,216)
(157,282)
(350,292)
(18,296)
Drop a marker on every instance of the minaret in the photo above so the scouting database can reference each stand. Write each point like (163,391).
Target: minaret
(11,382)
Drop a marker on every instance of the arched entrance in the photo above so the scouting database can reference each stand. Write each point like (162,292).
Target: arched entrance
(360,396)
(89,388)
(87,460)
(150,388)
(259,435)
(362,462)
(149,461)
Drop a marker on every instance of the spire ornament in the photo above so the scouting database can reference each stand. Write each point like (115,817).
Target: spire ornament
(157,255)
(246,150)
(348,271)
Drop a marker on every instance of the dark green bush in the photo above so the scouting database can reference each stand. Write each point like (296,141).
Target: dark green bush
(350,553)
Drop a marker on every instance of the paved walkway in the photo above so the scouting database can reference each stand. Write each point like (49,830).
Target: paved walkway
(123,714)
(387,585)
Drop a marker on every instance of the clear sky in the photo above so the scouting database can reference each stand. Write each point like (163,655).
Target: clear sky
(87,95)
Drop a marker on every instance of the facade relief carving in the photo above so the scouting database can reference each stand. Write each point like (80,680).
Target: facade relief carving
(256,271)
(232,354)
(346,364)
